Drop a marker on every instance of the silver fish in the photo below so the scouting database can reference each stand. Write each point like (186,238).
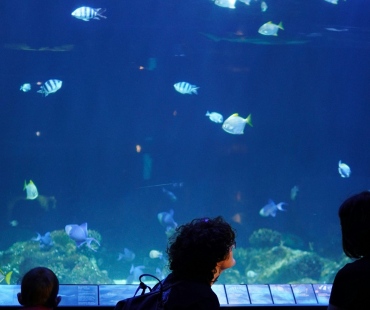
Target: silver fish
(185,88)
(270,29)
(344,170)
(226,3)
(50,86)
(25,87)
(215,117)
(86,13)
(31,190)
(235,124)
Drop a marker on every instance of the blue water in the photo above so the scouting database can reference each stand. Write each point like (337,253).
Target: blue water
(307,90)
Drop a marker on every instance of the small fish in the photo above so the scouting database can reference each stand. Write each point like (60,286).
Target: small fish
(166,220)
(251,274)
(26,87)
(6,276)
(337,29)
(127,255)
(86,13)
(79,234)
(170,195)
(13,223)
(226,3)
(50,86)
(332,1)
(215,117)
(235,124)
(264,6)
(135,273)
(270,29)
(186,88)
(294,192)
(31,190)
(45,241)
(271,208)
(344,170)
(155,254)
(237,218)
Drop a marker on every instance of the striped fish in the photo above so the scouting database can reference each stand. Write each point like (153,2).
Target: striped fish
(86,13)
(186,88)
(50,86)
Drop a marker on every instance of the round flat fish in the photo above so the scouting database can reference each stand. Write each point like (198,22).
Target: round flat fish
(235,124)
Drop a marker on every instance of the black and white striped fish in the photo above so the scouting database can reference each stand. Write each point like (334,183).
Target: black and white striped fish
(185,88)
(86,13)
(50,86)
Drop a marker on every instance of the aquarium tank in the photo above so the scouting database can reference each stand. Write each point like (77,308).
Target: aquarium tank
(122,120)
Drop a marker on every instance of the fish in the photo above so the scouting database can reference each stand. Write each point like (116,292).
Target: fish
(264,6)
(270,29)
(294,192)
(86,13)
(13,223)
(135,273)
(6,276)
(25,87)
(251,274)
(215,117)
(45,241)
(79,234)
(186,88)
(226,3)
(237,218)
(344,170)
(31,190)
(50,86)
(235,124)
(127,255)
(166,220)
(271,208)
(332,1)
(170,194)
(155,254)
(173,184)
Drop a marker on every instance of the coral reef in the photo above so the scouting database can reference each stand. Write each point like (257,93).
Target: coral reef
(264,237)
(269,260)
(72,265)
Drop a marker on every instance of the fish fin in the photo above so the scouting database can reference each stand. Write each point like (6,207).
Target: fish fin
(207,114)
(281,26)
(25,184)
(248,120)
(235,114)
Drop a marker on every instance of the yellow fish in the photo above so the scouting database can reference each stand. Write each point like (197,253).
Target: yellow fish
(31,190)
(5,276)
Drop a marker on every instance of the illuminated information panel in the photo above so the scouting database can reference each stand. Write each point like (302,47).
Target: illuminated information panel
(256,294)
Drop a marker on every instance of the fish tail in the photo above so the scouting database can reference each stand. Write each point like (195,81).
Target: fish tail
(280,26)
(8,276)
(25,185)
(248,120)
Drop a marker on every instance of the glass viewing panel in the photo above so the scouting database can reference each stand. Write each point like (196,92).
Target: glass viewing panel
(121,121)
